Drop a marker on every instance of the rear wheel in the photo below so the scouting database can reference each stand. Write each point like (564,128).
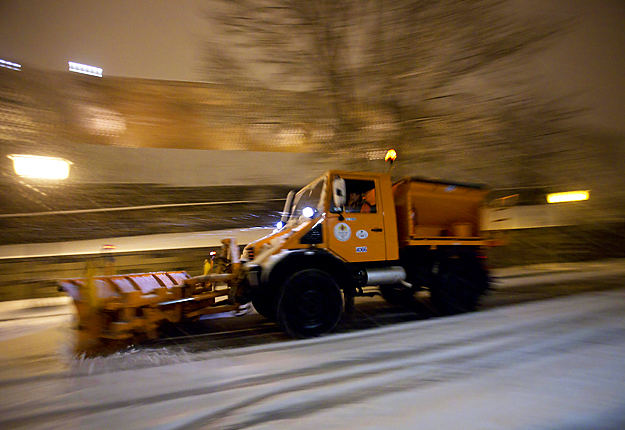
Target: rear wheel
(310,303)
(459,285)
(397,294)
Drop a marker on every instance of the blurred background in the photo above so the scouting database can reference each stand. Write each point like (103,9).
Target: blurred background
(200,115)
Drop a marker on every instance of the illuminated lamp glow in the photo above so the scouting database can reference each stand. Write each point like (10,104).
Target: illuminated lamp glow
(570,196)
(391,155)
(34,166)
(85,69)
(9,65)
(308,212)
(279,225)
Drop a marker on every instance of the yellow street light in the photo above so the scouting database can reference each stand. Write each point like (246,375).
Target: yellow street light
(38,167)
(569,196)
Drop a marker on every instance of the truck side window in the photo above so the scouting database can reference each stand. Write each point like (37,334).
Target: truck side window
(360,196)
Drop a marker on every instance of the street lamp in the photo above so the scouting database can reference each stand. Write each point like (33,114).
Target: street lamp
(38,167)
(569,196)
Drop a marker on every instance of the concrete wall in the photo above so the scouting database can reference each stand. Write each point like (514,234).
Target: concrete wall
(537,216)
(35,277)
(189,167)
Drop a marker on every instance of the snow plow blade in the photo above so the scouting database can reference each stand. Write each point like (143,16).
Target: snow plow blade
(131,308)
(116,310)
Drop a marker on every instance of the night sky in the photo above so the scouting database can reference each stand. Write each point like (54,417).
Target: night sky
(162,39)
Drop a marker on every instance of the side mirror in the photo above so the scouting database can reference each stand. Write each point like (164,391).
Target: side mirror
(339,193)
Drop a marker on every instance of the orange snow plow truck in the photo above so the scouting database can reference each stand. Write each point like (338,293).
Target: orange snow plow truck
(341,233)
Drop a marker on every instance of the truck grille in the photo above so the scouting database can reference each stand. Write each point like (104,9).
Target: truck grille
(313,237)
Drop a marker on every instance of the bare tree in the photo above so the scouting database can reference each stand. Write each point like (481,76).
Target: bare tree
(387,71)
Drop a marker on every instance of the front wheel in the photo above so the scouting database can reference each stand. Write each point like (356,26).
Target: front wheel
(265,304)
(310,303)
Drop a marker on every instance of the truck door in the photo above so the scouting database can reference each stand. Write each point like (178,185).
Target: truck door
(357,234)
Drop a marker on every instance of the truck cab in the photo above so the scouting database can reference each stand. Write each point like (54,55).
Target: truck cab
(347,230)
(349,214)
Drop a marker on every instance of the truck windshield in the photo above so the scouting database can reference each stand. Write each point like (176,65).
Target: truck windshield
(308,202)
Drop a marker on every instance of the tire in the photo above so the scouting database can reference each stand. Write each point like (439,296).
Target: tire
(310,303)
(459,285)
(265,304)
(398,295)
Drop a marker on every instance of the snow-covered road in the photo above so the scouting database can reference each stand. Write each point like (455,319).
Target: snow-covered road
(556,364)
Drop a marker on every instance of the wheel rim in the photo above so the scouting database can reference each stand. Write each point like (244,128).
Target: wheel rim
(311,304)
(310,308)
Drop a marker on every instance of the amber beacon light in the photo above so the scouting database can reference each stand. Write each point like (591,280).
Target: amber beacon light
(391,156)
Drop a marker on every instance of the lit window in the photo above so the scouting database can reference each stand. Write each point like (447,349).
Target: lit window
(84,69)
(9,65)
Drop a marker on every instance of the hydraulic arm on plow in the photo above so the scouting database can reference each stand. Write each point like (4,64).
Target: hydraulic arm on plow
(134,306)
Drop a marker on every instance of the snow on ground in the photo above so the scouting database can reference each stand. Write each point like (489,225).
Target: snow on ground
(556,364)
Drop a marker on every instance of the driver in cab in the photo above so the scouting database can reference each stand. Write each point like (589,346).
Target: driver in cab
(357,203)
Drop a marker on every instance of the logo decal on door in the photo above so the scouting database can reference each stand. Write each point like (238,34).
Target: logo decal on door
(362,234)
(361,249)
(342,232)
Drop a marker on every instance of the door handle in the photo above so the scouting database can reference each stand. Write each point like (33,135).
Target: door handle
(376,229)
